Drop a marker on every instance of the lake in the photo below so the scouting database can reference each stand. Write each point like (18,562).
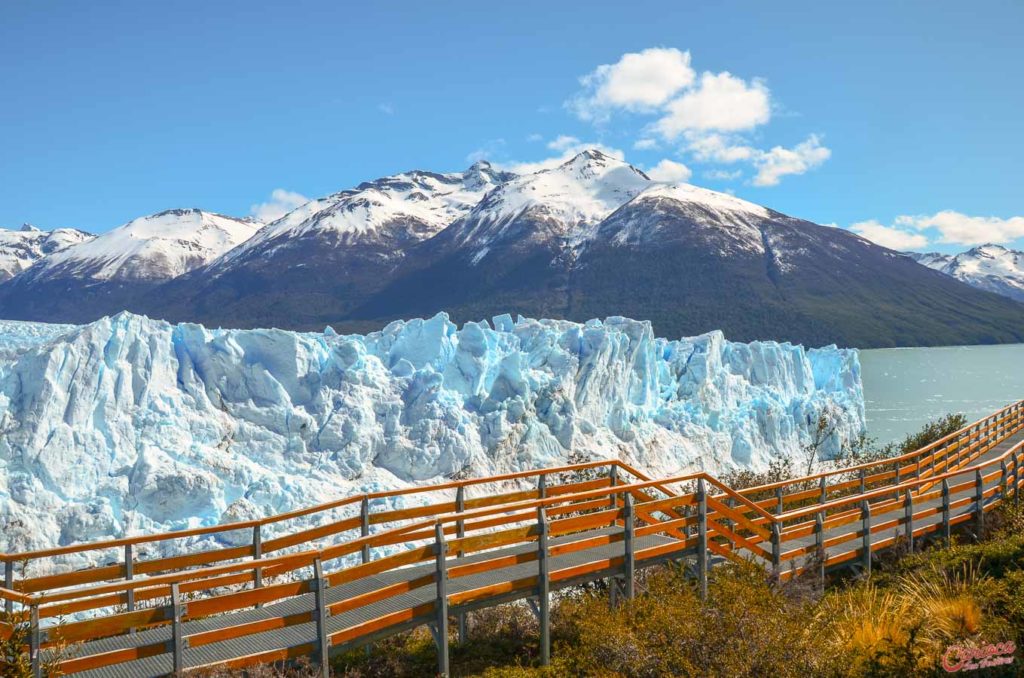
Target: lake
(906,387)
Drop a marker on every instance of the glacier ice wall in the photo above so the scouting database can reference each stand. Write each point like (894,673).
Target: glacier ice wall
(130,424)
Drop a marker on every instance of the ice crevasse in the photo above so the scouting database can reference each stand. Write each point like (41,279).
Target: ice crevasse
(130,425)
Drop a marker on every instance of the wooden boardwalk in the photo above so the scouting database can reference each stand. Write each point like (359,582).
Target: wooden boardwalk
(478,543)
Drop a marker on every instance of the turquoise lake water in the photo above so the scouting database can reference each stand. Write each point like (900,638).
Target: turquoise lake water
(904,388)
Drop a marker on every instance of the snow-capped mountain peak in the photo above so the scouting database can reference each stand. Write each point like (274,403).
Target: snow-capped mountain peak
(563,200)
(664,212)
(409,206)
(21,248)
(708,199)
(155,247)
(989,267)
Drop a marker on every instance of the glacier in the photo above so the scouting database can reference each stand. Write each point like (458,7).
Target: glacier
(130,425)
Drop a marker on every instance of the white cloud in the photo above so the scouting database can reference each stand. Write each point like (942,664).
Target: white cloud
(487,151)
(563,142)
(724,175)
(281,203)
(670,171)
(778,162)
(386,109)
(961,229)
(771,165)
(714,115)
(718,148)
(887,236)
(720,102)
(534,138)
(639,81)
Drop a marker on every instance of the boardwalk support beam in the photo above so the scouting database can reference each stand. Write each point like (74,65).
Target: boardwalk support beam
(613,474)
(819,543)
(628,540)
(702,539)
(946,529)
(441,603)
(34,642)
(1016,480)
(543,588)
(908,519)
(129,573)
(460,532)
(257,554)
(177,638)
(865,513)
(323,641)
(9,585)
(364,527)
(979,504)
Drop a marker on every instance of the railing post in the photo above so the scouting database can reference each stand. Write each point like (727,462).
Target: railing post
(460,532)
(946,530)
(614,475)
(628,539)
(34,642)
(896,494)
(177,639)
(322,639)
(702,539)
(865,513)
(780,504)
(257,554)
(908,518)
(776,551)
(1003,481)
(542,486)
(862,481)
(1016,480)
(9,585)
(824,490)
(917,472)
(129,573)
(364,527)
(979,503)
(543,588)
(728,522)
(819,542)
(441,601)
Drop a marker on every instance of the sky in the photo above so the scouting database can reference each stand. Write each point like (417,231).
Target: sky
(901,120)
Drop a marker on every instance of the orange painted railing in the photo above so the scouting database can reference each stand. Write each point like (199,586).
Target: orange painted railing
(699,513)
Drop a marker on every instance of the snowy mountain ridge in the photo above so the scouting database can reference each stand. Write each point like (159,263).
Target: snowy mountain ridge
(130,425)
(21,248)
(592,237)
(160,246)
(407,206)
(563,201)
(990,267)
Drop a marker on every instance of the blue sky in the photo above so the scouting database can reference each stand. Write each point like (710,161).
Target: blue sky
(906,116)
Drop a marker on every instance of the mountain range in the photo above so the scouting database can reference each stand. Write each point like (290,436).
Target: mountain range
(988,267)
(593,237)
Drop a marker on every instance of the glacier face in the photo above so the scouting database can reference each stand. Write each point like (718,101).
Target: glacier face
(130,425)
